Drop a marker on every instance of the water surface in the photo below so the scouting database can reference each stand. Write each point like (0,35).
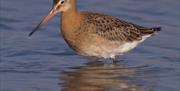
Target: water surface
(46,63)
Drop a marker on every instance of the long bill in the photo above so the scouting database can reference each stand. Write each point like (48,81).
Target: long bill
(43,22)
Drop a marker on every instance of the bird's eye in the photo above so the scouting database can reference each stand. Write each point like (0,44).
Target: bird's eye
(62,2)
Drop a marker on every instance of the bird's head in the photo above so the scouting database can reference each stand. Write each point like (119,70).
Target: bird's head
(61,5)
(58,6)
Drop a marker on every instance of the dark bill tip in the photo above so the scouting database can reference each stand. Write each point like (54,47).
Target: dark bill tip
(44,21)
(33,31)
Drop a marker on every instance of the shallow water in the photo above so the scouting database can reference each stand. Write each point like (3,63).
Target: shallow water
(46,63)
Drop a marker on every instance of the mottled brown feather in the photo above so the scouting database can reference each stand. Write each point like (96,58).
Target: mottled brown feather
(112,28)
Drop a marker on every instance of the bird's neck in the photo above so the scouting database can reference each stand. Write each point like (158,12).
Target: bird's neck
(70,15)
(70,20)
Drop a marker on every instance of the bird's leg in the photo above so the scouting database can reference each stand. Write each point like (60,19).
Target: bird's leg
(114,60)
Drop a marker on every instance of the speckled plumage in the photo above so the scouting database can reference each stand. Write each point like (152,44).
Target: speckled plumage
(104,36)
(112,28)
(95,34)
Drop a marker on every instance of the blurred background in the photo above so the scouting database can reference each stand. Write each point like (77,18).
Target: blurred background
(46,63)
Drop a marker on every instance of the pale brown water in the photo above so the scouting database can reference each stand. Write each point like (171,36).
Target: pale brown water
(46,63)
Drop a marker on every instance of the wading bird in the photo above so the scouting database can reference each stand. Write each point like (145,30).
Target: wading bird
(95,34)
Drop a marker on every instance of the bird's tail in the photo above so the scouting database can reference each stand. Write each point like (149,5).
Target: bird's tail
(151,31)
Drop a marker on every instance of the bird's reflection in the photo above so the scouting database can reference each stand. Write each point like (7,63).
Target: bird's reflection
(97,76)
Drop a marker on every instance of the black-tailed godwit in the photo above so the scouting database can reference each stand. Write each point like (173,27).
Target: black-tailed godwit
(95,34)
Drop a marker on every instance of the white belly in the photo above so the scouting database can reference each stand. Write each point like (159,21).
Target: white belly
(112,49)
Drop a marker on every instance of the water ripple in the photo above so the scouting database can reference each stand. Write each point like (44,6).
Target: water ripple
(8,20)
(46,60)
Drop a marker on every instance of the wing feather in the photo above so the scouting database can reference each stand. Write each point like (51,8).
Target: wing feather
(112,28)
